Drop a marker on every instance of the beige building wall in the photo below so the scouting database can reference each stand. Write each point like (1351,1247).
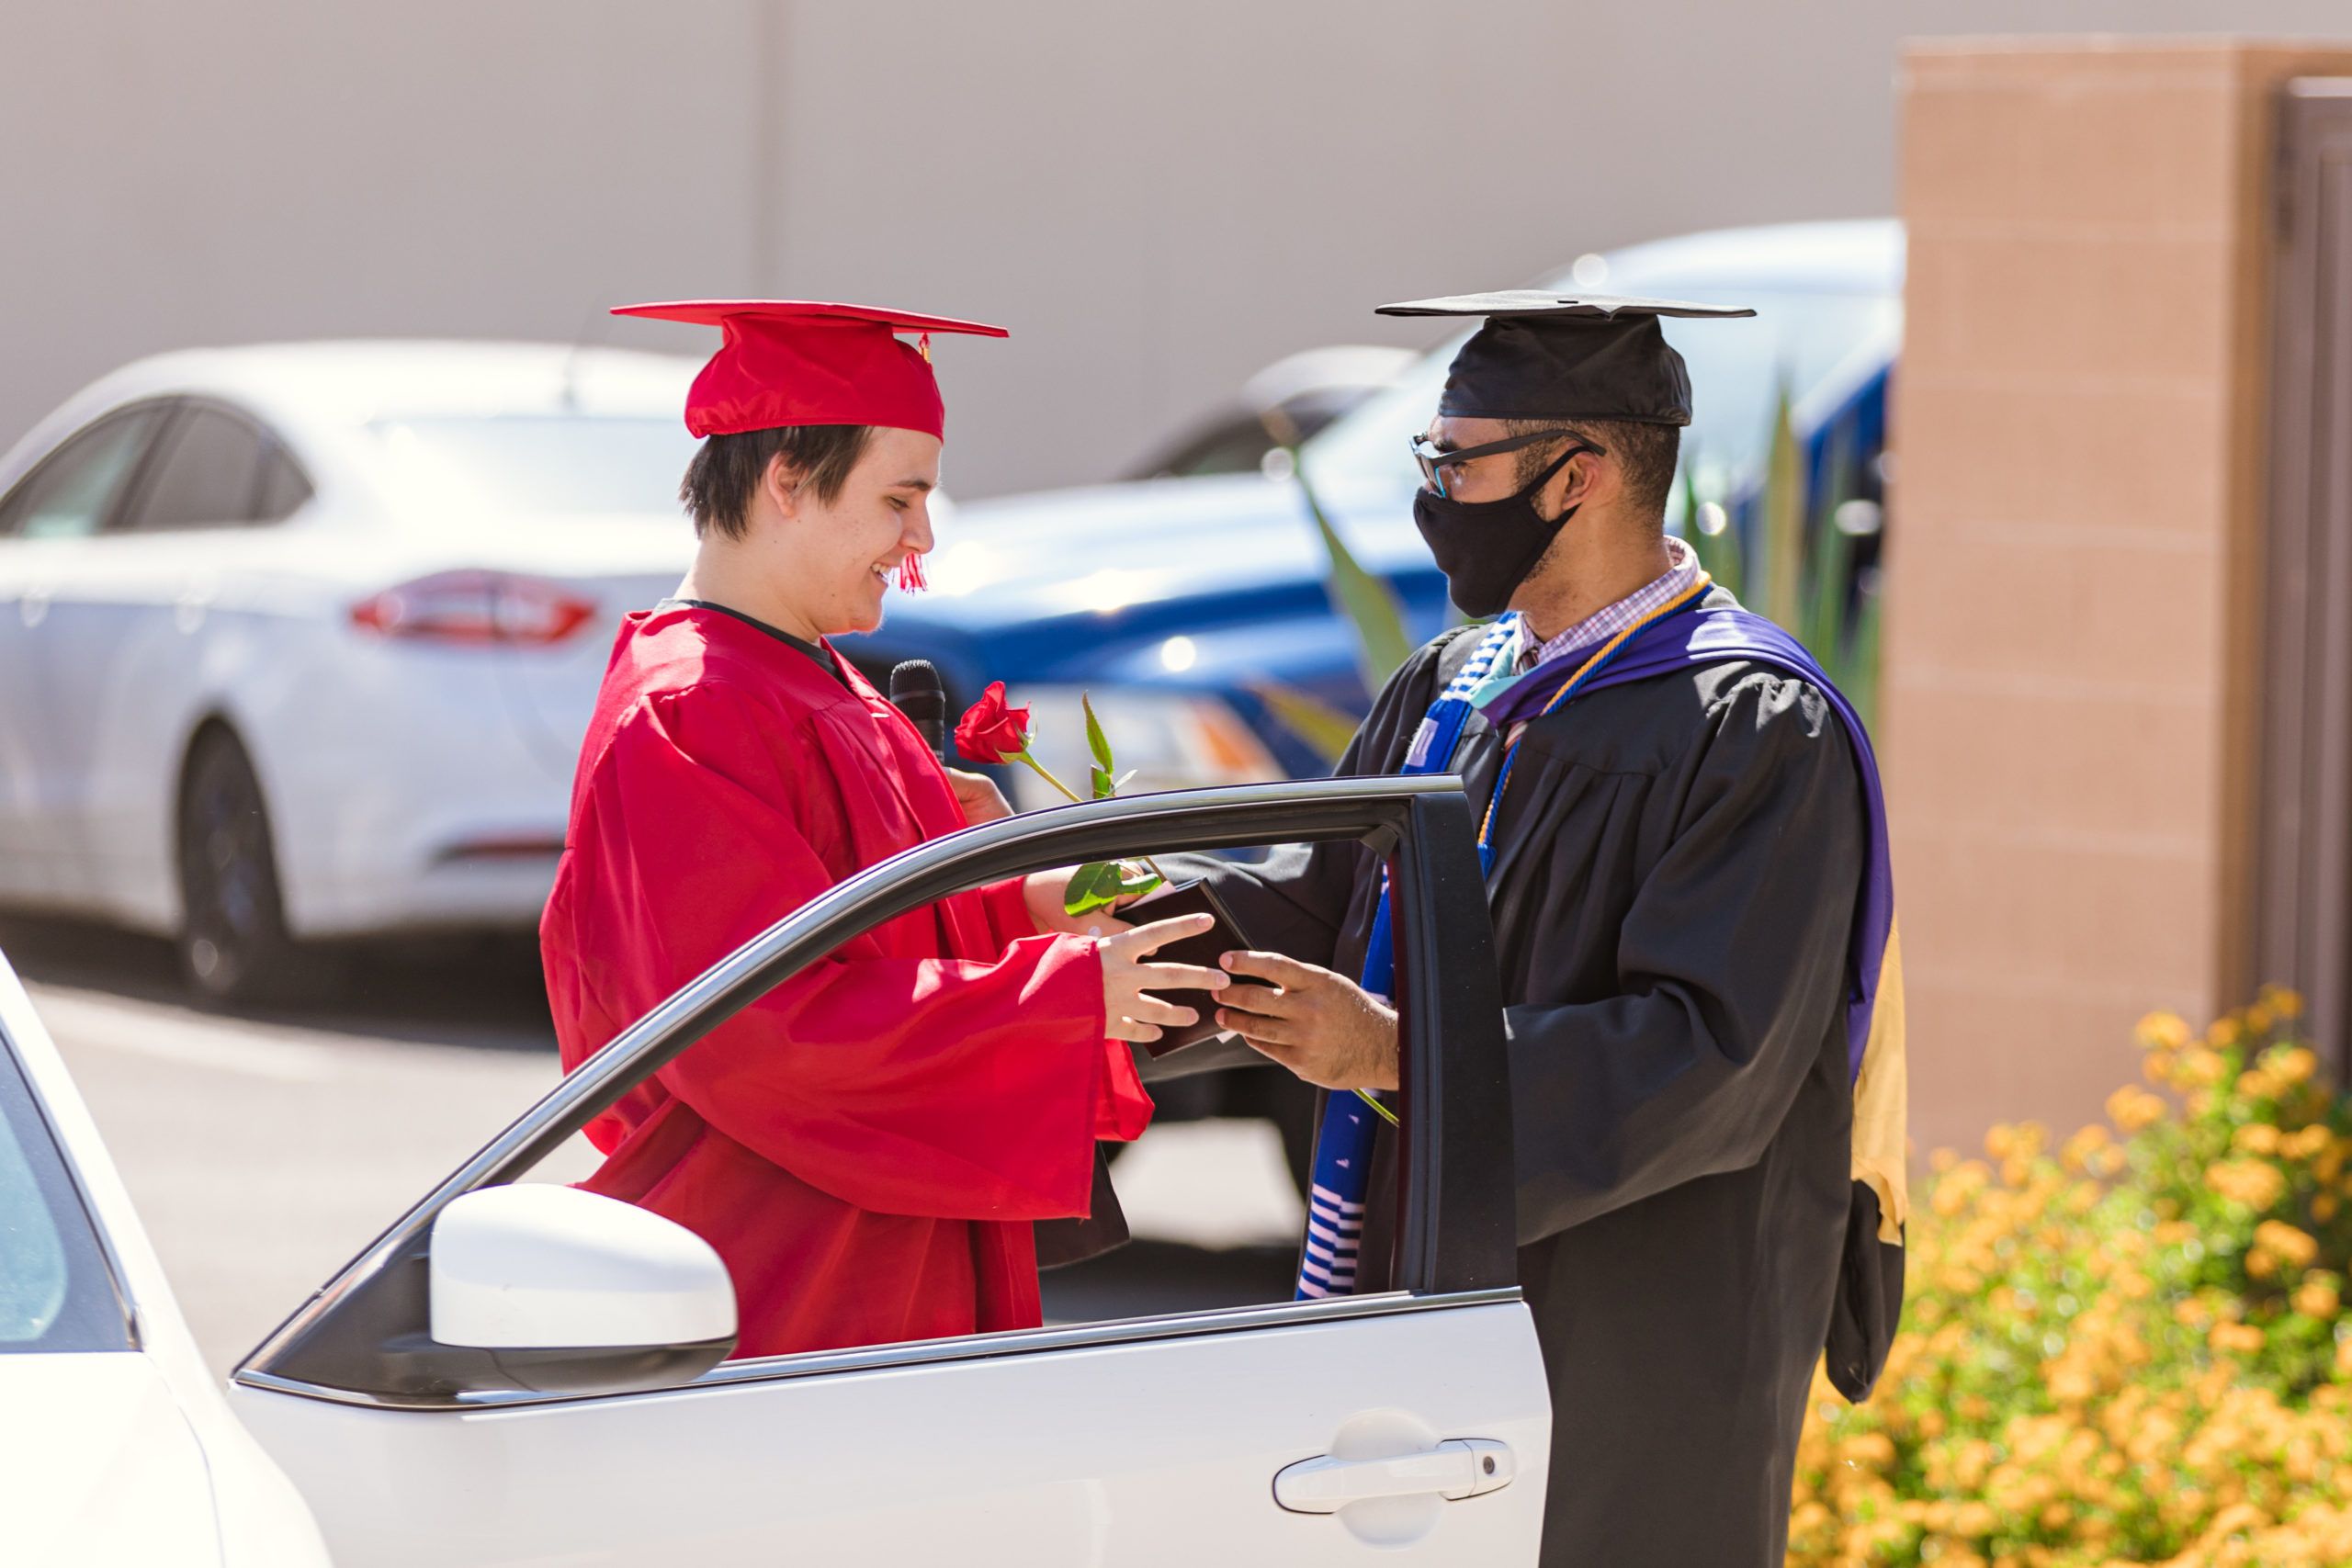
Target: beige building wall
(1159,198)
(2074,591)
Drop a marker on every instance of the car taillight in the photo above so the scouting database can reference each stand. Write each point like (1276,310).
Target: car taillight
(476,607)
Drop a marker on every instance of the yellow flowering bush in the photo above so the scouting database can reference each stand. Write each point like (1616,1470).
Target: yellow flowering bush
(2128,1350)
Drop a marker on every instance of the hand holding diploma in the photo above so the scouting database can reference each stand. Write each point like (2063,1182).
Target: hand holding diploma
(1129,1009)
(1322,1026)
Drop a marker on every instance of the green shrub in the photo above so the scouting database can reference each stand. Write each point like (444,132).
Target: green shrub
(2127,1350)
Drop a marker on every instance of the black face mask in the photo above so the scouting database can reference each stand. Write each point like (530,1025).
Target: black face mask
(1487,548)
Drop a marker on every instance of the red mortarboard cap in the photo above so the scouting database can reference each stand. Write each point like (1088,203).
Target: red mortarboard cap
(808,362)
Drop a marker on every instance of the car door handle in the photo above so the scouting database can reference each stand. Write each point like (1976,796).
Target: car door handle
(194,597)
(1455,1469)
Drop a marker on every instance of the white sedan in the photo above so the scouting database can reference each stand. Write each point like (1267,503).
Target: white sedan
(521,1373)
(297,642)
(116,1445)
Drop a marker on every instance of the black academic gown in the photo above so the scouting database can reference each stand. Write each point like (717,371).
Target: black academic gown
(1678,870)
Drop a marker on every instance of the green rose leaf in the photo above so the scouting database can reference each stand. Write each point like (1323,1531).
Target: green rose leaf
(1135,883)
(1096,741)
(1092,886)
(1104,786)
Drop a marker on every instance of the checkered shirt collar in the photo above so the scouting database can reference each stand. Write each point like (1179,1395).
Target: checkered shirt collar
(1602,625)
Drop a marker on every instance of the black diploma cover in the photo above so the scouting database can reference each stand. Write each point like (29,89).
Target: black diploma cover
(1200,951)
(1064,1242)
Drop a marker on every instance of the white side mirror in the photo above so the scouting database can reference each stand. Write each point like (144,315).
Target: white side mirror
(536,1267)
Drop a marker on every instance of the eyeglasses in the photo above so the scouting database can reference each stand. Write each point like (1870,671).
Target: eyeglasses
(1436,459)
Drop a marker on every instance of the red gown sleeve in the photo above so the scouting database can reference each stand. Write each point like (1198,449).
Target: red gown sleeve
(1007,909)
(1123,1107)
(948,1086)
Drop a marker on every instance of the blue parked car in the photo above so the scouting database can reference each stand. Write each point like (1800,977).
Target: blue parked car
(1174,601)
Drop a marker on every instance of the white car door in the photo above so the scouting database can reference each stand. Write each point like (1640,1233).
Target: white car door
(116,1444)
(1412,1425)
(124,646)
(48,520)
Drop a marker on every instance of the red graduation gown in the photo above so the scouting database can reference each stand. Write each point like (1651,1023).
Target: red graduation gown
(868,1145)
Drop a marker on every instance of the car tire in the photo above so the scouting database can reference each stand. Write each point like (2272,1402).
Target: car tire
(234,947)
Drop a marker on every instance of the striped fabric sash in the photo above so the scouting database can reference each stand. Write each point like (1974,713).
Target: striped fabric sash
(1342,1170)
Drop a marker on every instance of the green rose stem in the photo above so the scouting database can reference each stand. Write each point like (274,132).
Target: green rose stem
(1038,767)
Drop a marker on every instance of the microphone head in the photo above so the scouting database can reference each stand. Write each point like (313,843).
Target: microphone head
(916,678)
(916,692)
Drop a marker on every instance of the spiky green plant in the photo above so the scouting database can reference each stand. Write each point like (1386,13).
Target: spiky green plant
(1803,562)
(1368,605)
(1706,526)
(1367,601)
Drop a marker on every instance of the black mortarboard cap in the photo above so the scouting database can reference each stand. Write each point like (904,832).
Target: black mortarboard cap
(1546,355)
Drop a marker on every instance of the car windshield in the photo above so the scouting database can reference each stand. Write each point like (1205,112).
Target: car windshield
(56,1293)
(539,463)
(1817,343)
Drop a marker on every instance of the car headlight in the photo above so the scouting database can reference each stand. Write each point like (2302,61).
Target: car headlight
(1167,739)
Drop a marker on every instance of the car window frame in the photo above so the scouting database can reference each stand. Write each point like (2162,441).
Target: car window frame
(1456,1243)
(161,409)
(268,444)
(16,1071)
(277,449)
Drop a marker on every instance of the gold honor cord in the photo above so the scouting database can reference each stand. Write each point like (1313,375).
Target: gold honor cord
(1584,671)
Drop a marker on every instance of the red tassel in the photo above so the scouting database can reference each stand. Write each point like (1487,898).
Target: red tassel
(910,575)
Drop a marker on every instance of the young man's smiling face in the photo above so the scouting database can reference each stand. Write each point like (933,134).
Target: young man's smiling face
(832,562)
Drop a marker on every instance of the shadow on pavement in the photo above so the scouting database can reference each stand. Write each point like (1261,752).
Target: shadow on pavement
(1152,1277)
(483,991)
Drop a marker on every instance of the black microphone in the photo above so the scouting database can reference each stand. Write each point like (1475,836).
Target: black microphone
(915,691)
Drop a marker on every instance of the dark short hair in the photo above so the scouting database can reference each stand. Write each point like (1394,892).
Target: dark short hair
(727,469)
(1646,452)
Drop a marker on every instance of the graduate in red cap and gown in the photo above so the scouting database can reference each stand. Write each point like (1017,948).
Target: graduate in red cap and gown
(869,1146)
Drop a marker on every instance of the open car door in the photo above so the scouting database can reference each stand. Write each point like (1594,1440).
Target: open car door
(533,1375)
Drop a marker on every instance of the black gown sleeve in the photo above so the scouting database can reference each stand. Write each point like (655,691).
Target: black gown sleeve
(1730,962)
(1296,901)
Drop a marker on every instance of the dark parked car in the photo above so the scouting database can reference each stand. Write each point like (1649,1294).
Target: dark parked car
(1283,404)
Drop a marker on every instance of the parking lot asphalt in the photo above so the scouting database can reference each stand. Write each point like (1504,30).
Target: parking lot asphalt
(264,1150)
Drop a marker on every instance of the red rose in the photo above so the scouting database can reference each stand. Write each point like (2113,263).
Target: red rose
(990,731)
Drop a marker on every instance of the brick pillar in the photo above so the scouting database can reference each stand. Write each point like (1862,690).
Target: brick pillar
(2073,592)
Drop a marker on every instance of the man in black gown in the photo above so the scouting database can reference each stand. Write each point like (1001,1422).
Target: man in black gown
(1676,868)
